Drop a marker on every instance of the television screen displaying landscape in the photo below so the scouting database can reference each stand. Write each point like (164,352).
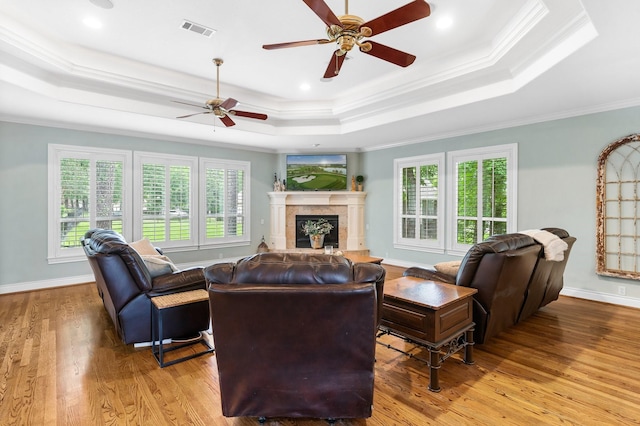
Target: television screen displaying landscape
(317,172)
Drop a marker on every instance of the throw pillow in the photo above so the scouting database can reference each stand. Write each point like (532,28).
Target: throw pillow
(144,247)
(158,265)
(448,268)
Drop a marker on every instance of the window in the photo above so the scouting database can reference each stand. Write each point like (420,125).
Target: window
(173,200)
(482,195)
(419,202)
(224,201)
(164,199)
(87,192)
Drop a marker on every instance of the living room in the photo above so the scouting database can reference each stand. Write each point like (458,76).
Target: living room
(557,152)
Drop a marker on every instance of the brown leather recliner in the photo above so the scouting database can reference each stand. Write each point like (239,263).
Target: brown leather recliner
(125,286)
(295,335)
(500,268)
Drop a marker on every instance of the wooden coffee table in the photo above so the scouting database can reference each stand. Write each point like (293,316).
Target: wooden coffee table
(434,315)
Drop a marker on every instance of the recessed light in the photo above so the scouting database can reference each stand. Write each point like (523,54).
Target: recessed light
(92,22)
(105,4)
(305,86)
(444,23)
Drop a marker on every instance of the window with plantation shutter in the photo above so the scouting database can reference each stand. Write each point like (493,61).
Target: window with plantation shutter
(419,207)
(224,201)
(175,201)
(87,191)
(164,199)
(483,194)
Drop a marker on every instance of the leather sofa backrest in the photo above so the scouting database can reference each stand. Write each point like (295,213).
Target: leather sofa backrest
(100,244)
(277,268)
(297,268)
(500,268)
(492,245)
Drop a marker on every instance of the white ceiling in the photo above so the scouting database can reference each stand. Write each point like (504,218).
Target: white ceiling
(501,63)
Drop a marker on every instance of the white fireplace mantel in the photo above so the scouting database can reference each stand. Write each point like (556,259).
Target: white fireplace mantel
(354,202)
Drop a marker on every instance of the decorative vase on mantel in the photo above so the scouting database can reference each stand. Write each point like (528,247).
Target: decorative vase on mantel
(317,241)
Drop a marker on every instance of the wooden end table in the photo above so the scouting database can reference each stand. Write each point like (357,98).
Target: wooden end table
(430,314)
(180,300)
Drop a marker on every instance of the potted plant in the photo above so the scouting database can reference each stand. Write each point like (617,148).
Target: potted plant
(316,230)
(359,179)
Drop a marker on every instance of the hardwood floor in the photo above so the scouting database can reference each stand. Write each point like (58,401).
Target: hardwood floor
(573,363)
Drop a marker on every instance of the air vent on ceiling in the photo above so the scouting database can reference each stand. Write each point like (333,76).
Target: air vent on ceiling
(197,28)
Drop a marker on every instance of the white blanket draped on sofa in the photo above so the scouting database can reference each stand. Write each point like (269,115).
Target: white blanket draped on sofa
(554,247)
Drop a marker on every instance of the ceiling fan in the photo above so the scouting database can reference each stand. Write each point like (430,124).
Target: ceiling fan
(222,108)
(350,30)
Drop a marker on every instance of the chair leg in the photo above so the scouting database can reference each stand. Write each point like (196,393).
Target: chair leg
(262,419)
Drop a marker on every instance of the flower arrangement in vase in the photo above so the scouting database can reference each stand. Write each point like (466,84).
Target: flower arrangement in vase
(316,230)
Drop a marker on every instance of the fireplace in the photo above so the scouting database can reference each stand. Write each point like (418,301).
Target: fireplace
(330,239)
(347,205)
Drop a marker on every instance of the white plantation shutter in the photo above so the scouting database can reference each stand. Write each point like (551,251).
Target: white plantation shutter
(74,201)
(164,190)
(180,203)
(419,207)
(483,194)
(224,201)
(154,177)
(87,191)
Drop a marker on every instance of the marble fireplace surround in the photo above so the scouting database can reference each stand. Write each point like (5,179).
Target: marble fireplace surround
(347,205)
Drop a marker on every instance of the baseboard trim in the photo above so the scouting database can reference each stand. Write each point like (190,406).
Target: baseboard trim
(46,284)
(630,302)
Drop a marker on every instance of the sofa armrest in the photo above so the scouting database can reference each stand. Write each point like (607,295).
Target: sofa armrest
(429,274)
(187,279)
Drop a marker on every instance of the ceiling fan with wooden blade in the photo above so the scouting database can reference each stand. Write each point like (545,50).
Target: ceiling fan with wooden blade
(222,108)
(348,31)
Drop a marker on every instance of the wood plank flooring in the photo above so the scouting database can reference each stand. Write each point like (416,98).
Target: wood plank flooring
(575,362)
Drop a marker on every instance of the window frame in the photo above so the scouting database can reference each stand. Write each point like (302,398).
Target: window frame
(227,241)
(426,245)
(508,151)
(132,191)
(57,152)
(140,158)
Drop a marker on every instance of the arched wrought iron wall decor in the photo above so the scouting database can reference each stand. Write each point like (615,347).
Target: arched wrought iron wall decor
(618,209)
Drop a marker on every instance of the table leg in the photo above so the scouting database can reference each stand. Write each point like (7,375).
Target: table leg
(434,367)
(468,348)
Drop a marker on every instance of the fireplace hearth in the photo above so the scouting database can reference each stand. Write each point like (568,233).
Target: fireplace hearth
(330,239)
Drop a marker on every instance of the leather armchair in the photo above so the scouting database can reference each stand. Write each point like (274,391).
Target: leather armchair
(295,335)
(125,286)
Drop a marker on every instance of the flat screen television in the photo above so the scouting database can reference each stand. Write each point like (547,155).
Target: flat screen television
(317,172)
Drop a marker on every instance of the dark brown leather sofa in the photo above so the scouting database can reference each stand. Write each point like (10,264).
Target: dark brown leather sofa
(125,286)
(295,335)
(512,277)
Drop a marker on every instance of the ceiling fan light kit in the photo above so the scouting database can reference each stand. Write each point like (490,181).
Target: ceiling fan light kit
(348,31)
(222,108)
